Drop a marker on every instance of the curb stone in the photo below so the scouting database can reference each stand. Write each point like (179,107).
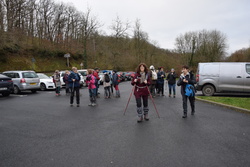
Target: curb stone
(239,109)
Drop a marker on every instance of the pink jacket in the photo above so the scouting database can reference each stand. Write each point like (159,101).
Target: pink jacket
(91,83)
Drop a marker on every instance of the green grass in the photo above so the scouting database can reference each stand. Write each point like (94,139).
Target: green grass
(233,101)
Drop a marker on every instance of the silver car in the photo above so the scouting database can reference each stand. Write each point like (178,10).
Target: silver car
(24,80)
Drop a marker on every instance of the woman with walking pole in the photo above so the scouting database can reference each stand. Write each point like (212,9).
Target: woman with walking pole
(74,85)
(141,81)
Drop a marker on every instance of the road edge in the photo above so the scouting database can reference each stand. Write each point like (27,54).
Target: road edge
(239,109)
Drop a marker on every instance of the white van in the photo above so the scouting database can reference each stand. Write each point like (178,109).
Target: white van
(223,77)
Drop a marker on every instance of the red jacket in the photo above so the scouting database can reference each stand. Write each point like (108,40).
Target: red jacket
(141,89)
(96,75)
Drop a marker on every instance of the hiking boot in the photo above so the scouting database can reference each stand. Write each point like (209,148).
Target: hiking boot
(90,104)
(174,96)
(93,104)
(146,117)
(192,113)
(77,105)
(184,115)
(71,105)
(140,119)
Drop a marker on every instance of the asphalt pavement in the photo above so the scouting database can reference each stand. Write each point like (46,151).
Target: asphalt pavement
(42,130)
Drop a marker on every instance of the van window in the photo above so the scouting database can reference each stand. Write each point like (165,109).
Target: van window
(248,68)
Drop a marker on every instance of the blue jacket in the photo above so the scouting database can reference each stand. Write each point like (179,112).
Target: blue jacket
(77,78)
(160,79)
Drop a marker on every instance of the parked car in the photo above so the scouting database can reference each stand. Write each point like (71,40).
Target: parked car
(24,80)
(223,77)
(46,82)
(6,85)
(83,72)
(101,76)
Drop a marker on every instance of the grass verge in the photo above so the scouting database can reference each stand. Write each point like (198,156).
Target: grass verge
(233,101)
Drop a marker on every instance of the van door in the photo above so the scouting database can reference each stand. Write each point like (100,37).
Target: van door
(231,77)
(247,78)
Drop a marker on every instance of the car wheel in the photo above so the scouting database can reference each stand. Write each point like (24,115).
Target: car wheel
(16,90)
(208,90)
(33,91)
(5,94)
(42,86)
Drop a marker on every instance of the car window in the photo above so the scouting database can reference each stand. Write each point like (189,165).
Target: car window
(42,76)
(84,73)
(29,75)
(16,75)
(248,68)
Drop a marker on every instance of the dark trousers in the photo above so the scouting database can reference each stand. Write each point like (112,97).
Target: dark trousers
(191,100)
(73,90)
(67,87)
(139,105)
(161,88)
(107,91)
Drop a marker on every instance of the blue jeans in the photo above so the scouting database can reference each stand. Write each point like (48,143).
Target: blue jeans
(170,87)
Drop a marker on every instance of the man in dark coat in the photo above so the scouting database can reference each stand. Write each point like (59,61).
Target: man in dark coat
(74,85)
(186,78)
(171,78)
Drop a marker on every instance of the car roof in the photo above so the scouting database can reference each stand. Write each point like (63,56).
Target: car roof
(20,71)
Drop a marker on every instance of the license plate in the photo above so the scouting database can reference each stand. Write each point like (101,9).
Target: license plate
(32,83)
(3,88)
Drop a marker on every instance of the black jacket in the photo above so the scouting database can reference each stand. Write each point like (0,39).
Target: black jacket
(191,80)
(171,78)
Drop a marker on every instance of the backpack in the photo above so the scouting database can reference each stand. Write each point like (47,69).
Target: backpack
(190,92)
(106,78)
(154,75)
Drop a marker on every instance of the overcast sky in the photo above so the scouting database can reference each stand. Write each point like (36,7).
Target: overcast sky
(164,20)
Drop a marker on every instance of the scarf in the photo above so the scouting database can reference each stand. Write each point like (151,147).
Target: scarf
(143,77)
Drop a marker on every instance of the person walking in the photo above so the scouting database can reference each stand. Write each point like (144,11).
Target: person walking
(186,78)
(153,77)
(106,85)
(90,81)
(116,83)
(56,79)
(141,82)
(160,79)
(74,86)
(111,82)
(65,80)
(171,79)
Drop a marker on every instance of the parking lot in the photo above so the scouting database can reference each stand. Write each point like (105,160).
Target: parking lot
(42,130)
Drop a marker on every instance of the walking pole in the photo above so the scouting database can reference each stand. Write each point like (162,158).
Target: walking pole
(129,100)
(153,103)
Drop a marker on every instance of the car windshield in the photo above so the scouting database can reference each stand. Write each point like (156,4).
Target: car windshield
(29,75)
(43,76)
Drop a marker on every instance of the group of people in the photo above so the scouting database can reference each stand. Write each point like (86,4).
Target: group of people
(72,84)
(157,81)
(145,82)
(148,81)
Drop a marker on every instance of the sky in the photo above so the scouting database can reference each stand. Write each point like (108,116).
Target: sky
(165,20)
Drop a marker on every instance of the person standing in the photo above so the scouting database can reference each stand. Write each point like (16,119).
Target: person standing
(56,79)
(74,85)
(116,83)
(97,78)
(186,78)
(65,80)
(90,81)
(153,77)
(171,78)
(160,79)
(106,85)
(141,82)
